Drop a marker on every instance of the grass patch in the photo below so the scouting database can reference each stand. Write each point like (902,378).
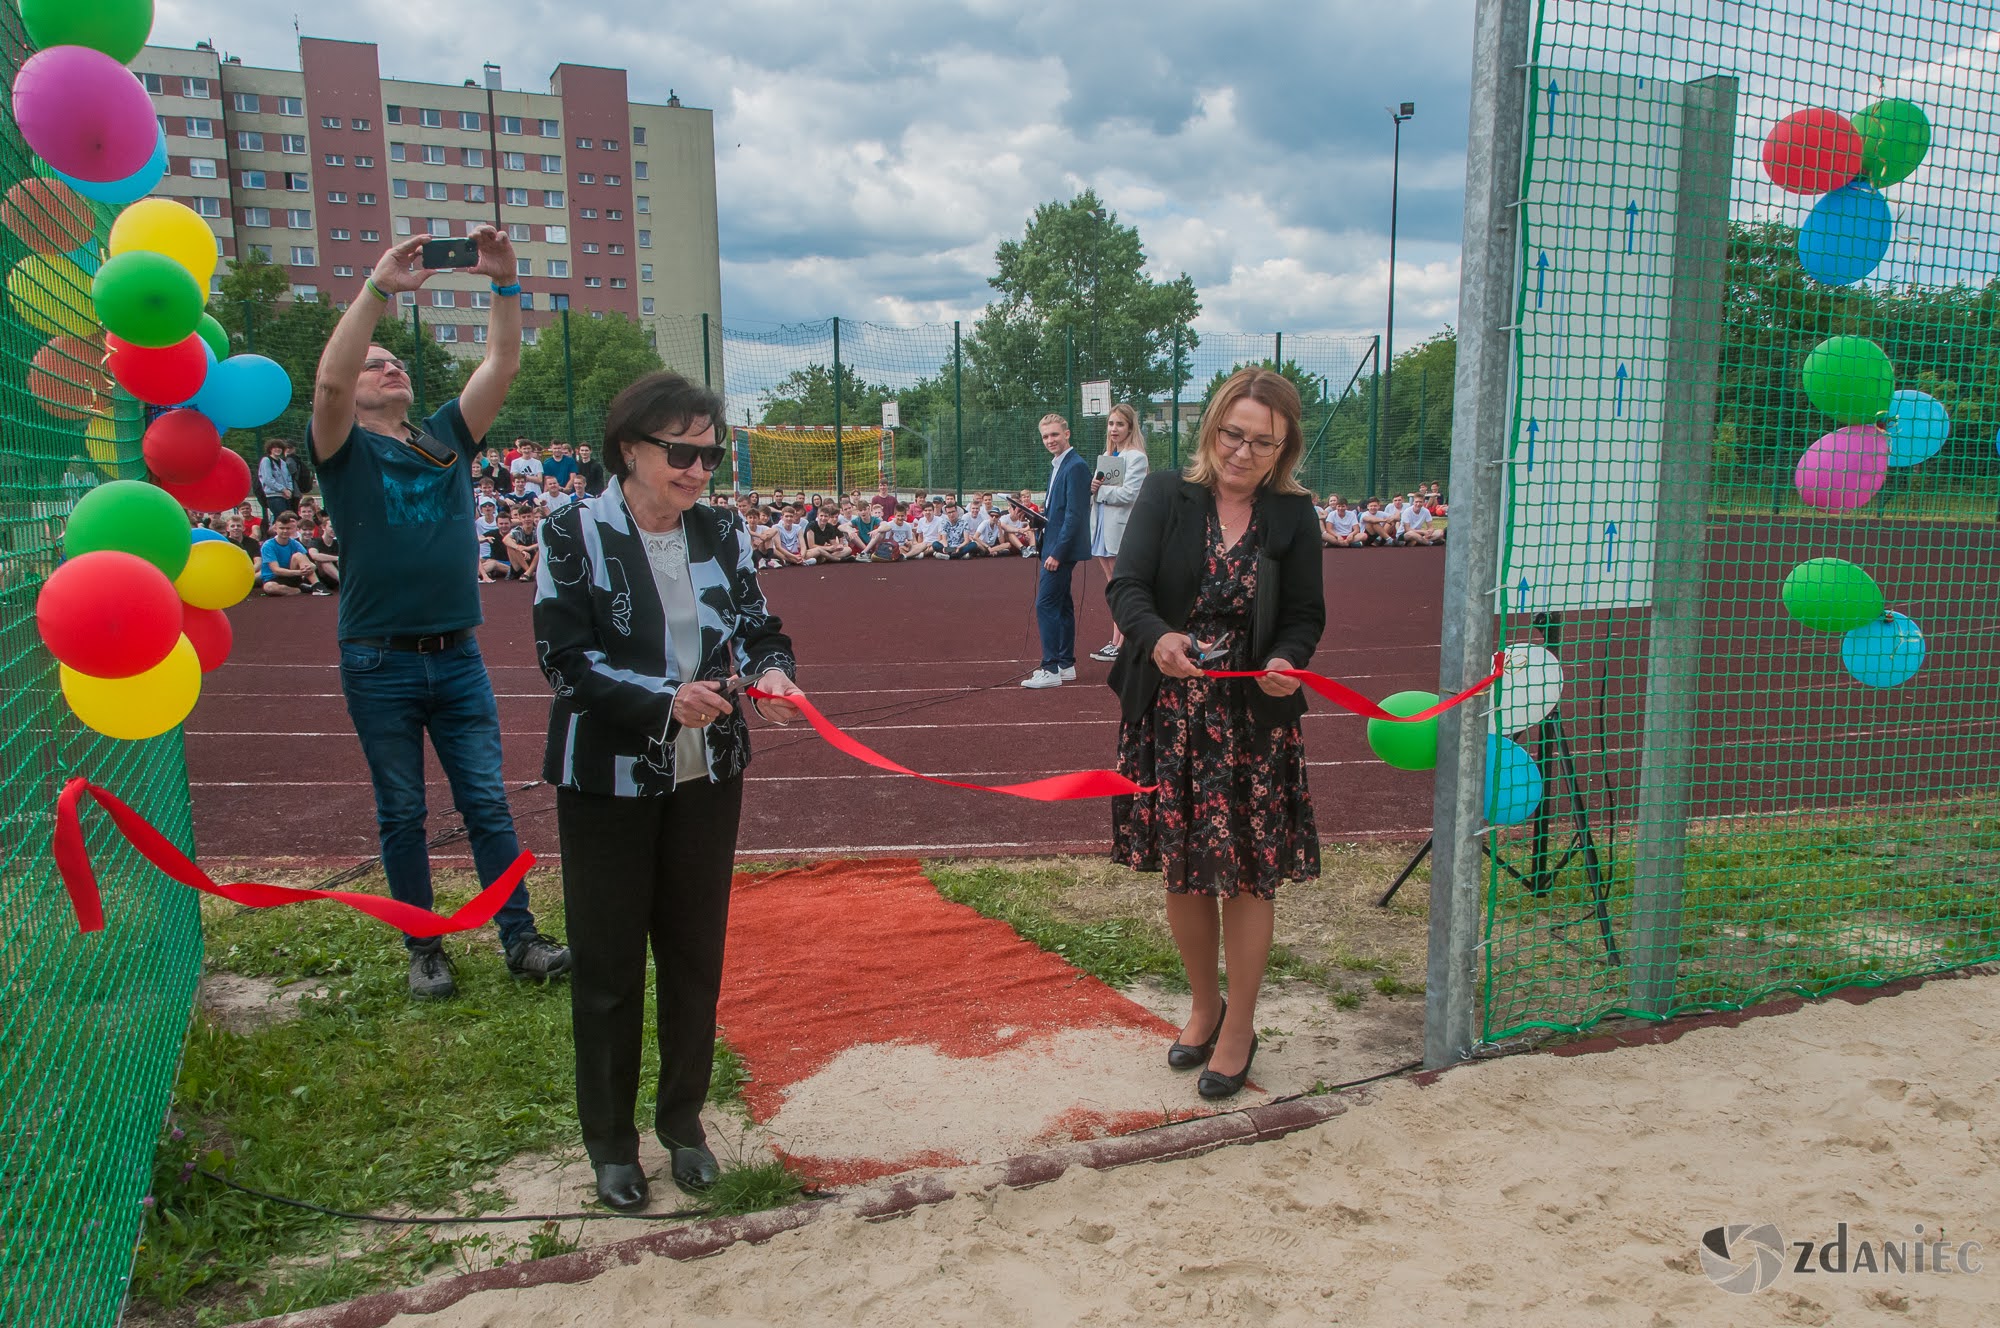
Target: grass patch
(1115,950)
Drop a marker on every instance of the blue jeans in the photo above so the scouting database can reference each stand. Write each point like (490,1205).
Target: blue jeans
(394,696)
(1055,615)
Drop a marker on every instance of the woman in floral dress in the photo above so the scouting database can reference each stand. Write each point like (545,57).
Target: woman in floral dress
(1220,570)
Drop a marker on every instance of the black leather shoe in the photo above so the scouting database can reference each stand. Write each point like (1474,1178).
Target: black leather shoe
(694,1169)
(1181,1056)
(621,1185)
(1214,1085)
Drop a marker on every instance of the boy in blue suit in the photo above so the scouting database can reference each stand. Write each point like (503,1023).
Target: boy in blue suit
(1065,543)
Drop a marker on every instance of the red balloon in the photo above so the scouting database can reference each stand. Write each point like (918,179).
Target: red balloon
(182,446)
(109,614)
(1812,151)
(158,375)
(226,485)
(209,632)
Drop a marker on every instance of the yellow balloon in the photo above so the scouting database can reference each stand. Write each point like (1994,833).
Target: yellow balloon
(144,705)
(166,227)
(217,575)
(51,294)
(118,461)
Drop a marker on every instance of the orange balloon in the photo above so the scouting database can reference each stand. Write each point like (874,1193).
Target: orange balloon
(65,376)
(48,215)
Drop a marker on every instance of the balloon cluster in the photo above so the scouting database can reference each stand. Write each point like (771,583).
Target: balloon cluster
(1848,162)
(136,309)
(1879,648)
(134,613)
(1529,688)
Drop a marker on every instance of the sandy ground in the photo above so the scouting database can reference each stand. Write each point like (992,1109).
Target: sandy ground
(1532,1190)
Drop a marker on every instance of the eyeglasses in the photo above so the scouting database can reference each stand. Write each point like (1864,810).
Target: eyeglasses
(377,366)
(1235,439)
(681,456)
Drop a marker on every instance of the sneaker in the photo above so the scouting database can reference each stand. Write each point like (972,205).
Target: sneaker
(1067,673)
(1042,678)
(321,590)
(811,561)
(430,975)
(1027,553)
(533,955)
(1105,654)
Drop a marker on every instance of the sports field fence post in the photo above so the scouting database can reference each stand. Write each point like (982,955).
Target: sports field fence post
(250,345)
(1423,398)
(1374,417)
(1069,377)
(569,377)
(839,471)
(1480,425)
(1174,418)
(1278,351)
(417,357)
(1680,538)
(707,379)
(958,405)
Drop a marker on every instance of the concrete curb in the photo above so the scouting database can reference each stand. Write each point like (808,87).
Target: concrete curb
(890,1199)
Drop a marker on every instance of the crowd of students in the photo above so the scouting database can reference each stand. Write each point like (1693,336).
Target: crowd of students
(1409,518)
(812,529)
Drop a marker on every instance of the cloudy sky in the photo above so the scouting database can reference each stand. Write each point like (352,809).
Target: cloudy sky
(871,155)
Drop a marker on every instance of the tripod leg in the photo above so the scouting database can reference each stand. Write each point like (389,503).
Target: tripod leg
(1408,869)
(1541,877)
(1592,872)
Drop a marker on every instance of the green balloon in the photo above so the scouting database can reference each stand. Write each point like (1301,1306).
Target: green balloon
(1831,595)
(133,517)
(1895,134)
(147,298)
(1851,379)
(1406,746)
(211,332)
(118,28)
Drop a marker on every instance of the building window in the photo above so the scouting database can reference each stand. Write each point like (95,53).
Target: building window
(643,202)
(550,129)
(529,335)
(588,214)
(247,140)
(475,193)
(201,168)
(262,251)
(551,165)
(152,84)
(330,122)
(406,298)
(593,282)
(482,299)
(616,249)
(303,256)
(250,179)
(299,219)
(343,269)
(618,283)
(441,226)
(513,161)
(200,126)
(291,106)
(364,162)
(510,124)
(518,230)
(399,152)
(479,333)
(432,119)
(552,198)
(246,102)
(585,143)
(646,304)
(645,239)
(473,156)
(336,195)
(585,177)
(434,190)
(638,136)
(256,216)
(590,246)
(444,299)
(296,182)
(447,332)
(208,207)
(196,88)
(558,301)
(365,200)
(524,267)
(302,292)
(514,197)
(468,119)
(334,159)
(293,143)
(399,188)
(360,124)
(645,271)
(395,115)
(402,226)
(614,214)
(340,233)
(638,170)
(433,154)
(556,234)
(371,237)
(610,145)
(614,180)
(558,267)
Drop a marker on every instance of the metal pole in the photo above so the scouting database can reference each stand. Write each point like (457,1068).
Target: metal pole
(417,358)
(839,470)
(706,379)
(1386,364)
(1480,425)
(1278,351)
(1423,397)
(1680,537)
(1174,427)
(958,406)
(1374,418)
(569,377)
(1069,376)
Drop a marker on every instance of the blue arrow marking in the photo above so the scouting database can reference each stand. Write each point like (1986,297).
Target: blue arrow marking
(1533,428)
(1618,396)
(1631,223)
(1541,274)
(1524,592)
(1610,543)
(1555,92)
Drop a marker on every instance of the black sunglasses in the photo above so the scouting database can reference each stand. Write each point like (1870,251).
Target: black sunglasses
(683,455)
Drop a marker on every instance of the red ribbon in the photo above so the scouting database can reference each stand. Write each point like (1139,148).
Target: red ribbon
(73,862)
(1354,702)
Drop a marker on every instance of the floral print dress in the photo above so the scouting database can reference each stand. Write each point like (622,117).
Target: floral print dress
(1232,811)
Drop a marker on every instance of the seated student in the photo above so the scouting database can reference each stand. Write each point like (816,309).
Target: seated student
(1393,510)
(485,516)
(1340,527)
(524,552)
(930,531)
(494,564)
(253,525)
(559,463)
(233,528)
(985,534)
(788,539)
(1016,532)
(891,540)
(864,526)
(309,517)
(826,542)
(324,550)
(1414,526)
(1377,527)
(957,534)
(525,493)
(554,496)
(762,532)
(283,565)
(490,467)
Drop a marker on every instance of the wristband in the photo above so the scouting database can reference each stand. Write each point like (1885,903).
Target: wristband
(511,288)
(375,290)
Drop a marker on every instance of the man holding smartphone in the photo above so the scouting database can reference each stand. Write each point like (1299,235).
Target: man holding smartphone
(401,494)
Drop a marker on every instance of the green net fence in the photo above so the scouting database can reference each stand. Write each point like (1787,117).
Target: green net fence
(90,1025)
(1749,784)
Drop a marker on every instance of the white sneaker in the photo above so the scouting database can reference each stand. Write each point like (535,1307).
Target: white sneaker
(1043,678)
(1068,674)
(811,561)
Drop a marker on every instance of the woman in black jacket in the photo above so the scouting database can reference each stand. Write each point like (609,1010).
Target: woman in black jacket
(646,610)
(1220,569)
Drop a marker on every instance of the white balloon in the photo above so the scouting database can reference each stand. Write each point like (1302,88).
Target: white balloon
(1527,690)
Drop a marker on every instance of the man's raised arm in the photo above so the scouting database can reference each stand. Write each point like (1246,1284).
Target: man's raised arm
(340,362)
(486,390)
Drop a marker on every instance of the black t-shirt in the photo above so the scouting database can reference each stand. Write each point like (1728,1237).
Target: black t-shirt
(824,532)
(326,544)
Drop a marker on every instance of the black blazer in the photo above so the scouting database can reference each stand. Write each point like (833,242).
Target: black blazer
(601,635)
(1158,576)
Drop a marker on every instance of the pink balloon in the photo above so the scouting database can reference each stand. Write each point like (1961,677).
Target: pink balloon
(1843,470)
(84,113)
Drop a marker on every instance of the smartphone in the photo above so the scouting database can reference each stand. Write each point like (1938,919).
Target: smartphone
(450,253)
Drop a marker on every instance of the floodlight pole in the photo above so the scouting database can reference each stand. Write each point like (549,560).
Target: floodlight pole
(1406,111)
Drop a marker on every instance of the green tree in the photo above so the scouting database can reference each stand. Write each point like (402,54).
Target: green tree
(805,397)
(252,285)
(607,354)
(1311,386)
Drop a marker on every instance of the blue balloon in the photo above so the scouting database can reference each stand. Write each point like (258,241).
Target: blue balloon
(1846,235)
(130,189)
(1513,781)
(203,533)
(1918,427)
(1885,653)
(243,392)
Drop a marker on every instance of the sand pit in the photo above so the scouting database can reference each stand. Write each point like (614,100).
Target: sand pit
(1533,1190)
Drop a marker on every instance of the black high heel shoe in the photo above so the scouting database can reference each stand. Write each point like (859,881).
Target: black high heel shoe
(1181,1056)
(1217,1085)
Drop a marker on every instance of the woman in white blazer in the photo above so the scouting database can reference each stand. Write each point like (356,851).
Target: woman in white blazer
(1111,504)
